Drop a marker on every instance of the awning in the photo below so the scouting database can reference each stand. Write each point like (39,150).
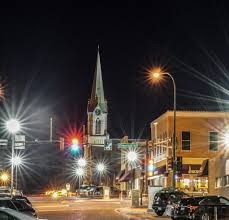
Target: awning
(127,176)
(160,170)
(204,169)
(120,174)
(190,168)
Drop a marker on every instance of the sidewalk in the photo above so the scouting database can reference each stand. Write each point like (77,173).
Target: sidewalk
(139,213)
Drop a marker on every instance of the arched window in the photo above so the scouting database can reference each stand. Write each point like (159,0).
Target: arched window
(98,126)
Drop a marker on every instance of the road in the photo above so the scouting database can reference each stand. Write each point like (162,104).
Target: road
(83,209)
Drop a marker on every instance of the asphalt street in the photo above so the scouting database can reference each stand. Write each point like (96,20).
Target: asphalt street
(83,209)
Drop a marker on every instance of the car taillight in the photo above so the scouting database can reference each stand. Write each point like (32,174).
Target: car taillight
(192,207)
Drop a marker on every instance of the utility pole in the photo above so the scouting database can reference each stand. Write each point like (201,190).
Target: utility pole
(50,124)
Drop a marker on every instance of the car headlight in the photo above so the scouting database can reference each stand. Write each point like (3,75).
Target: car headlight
(54,195)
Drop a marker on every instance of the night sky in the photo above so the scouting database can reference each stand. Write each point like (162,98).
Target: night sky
(47,57)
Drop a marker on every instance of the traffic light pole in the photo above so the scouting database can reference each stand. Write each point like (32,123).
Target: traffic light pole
(146,162)
(12,168)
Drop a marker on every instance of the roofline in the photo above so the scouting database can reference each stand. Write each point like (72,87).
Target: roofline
(212,114)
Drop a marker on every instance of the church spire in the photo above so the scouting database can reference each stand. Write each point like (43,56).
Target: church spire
(97,94)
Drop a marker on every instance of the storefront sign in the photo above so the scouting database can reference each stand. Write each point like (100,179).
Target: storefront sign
(193,171)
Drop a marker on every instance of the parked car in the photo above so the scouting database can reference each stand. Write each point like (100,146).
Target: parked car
(186,208)
(24,207)
(202,208)
(20,206)
(10,214)
(23,198)
(164,197)
(211,205)
(86,190)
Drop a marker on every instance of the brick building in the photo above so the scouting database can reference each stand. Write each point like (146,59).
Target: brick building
(198,138)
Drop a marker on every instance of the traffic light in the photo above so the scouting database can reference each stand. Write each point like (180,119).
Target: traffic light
(150,167)
(170,163)
(75,145)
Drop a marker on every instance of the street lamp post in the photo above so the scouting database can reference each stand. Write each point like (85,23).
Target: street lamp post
(13,126)
(79,173)
(16,161)
(157,75)
(101,169)
(132,157)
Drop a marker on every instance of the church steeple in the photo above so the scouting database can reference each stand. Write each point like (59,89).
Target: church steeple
(97,94)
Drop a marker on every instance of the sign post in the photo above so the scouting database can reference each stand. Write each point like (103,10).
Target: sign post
(20,142)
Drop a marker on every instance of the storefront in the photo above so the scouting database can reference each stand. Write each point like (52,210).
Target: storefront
(191,180)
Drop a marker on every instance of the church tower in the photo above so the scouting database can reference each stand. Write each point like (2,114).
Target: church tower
(98,145)
(97,137)
(97,109)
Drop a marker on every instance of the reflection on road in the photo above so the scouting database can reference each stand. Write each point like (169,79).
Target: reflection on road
(84,209)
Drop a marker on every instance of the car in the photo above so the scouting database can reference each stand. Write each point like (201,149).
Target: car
(164,197)
(24,207)
(7,203)
(86,190)
(210,206)
(98,191)
(10,214)
(23,198)
(115,192)
(186,208)
(20,206)
(201,208)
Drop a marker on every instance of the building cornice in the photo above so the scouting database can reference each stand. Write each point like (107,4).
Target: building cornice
(200,114)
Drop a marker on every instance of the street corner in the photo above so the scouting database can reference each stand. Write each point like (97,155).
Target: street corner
(138,213)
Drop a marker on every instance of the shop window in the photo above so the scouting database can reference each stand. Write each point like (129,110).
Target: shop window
(213,140)
(186,140)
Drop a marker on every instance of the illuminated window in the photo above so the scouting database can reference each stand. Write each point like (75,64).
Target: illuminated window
(186,140)
(98,126)
(219,182)
(213,140)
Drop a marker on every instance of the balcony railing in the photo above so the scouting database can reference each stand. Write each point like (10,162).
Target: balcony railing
(160,157)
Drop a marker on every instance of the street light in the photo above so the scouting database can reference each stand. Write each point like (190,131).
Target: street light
(80,172)
(4,178)
(101,169)
(81,162)
(132,157)
(157,74)
(13,126)
(16,161)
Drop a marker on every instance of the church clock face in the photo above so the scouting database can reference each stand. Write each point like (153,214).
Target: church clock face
(97,112)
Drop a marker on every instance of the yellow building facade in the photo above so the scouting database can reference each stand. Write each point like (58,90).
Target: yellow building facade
(199,137)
